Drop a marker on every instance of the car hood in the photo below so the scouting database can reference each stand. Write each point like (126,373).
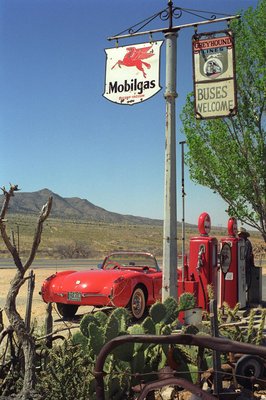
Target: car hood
(91,281)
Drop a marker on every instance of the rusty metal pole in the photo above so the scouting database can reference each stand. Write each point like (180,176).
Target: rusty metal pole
(169,287)
(216,355)
(183,207)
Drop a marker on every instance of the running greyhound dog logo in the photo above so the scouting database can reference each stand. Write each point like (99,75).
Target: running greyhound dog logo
(134,58)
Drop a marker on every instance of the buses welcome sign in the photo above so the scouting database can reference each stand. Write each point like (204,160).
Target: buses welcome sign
(214,75)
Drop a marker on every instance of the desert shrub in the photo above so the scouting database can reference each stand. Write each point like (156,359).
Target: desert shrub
(67,375)
(74,250)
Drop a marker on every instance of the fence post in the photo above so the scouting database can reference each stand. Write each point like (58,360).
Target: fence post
(1,320)
(49,325)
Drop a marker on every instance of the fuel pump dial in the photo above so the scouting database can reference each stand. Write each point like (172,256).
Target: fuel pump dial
(225,257)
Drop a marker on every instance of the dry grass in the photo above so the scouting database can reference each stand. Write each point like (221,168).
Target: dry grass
(100,238)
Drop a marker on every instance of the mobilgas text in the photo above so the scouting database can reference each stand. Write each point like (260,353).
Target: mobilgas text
(131,86)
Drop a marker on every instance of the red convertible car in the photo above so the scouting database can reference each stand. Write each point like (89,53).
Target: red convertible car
(124,279)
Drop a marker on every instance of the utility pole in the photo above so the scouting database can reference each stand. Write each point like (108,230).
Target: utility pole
(169,286)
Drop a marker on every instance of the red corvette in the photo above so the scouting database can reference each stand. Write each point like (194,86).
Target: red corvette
(124,279)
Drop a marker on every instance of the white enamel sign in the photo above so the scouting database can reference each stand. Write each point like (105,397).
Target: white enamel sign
(214,75)
(132,73)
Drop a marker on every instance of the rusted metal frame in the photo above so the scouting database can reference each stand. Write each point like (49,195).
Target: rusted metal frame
(178,382)
(219,344)
(216,355)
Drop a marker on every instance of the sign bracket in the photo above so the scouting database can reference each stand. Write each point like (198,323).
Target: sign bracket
(174,28)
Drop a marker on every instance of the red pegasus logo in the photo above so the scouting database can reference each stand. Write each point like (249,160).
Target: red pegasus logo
(134,57)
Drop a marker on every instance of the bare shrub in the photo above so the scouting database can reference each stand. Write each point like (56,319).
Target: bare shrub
(74,249)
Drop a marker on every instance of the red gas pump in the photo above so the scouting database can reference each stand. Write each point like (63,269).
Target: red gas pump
(232,277)
(203,259)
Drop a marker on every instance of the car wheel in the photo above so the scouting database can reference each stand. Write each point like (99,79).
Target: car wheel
(137,303)
(249,366)
(67,310)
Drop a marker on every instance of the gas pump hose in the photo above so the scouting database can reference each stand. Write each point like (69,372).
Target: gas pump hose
(204,294)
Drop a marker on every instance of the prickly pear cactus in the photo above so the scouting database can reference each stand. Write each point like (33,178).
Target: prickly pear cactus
(137,365)
(137,330)
(111,329)
(186,301)
(133,358)
(101,317)
(172,310)
(85,322)
(149,326)
(158,312)
(123,317)
(115,387)
(79,338)
(96,338)
(179,358)
(166,330)
(124,352)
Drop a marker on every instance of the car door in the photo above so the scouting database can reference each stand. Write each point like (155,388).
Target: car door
(156,278)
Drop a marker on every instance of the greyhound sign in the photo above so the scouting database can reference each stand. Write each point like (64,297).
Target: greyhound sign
(214,75)
(132,73)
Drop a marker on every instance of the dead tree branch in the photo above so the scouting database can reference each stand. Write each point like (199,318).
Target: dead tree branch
(17,323)
(38,233)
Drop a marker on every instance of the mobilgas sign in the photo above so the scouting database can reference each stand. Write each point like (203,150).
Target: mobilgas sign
(214,75)
(132,73)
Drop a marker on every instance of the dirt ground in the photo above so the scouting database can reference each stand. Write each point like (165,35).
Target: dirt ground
(38,306)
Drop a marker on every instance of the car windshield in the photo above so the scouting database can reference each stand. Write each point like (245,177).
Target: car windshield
(131,260)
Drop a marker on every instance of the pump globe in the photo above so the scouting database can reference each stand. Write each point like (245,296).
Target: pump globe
(232,226)
(204,223)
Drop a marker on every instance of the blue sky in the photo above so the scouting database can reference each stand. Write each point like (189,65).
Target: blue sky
(57,131)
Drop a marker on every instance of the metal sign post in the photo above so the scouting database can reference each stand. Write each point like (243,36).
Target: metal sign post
(183,206)
(169,284)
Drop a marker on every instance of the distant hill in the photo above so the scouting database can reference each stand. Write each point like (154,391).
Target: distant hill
(69,208)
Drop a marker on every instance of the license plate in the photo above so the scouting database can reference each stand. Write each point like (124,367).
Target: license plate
(74,296)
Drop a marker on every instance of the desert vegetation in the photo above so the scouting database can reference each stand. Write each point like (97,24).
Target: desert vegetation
(61,362)
(63,238)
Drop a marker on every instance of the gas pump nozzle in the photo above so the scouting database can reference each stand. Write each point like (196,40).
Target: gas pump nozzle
(200,262)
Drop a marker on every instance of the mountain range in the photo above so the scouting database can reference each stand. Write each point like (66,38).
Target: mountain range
(69,208)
